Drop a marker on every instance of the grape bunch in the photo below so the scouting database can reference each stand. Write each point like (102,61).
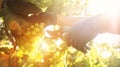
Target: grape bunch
(31,37)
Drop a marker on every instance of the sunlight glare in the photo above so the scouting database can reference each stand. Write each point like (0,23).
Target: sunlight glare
(48,28)
(108,38)
(44,48)
(58,42)
(106,54)
(51,28)
(111,7)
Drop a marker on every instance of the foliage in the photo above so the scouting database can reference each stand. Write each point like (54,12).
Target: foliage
(35,50)
(69,7)
(63,7)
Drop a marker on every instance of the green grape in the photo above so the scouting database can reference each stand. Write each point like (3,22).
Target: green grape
(28,44)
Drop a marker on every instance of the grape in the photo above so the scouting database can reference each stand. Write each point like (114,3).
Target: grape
(30,37)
